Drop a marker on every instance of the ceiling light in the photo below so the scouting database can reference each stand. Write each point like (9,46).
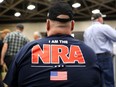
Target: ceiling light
(76,5)
(17,14)
(31,7)
(96,11)
(1,1)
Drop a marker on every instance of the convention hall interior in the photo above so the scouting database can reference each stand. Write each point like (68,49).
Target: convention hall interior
(33,14)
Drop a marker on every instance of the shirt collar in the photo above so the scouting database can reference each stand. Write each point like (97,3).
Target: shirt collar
(58,35)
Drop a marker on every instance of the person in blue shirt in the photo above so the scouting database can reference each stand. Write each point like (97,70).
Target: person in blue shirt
(58,60)
(100,38)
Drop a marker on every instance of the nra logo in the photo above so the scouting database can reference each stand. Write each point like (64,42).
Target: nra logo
(51,54)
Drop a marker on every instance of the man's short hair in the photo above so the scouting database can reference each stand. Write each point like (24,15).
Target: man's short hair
(20,26)
(60,8)
(96,16)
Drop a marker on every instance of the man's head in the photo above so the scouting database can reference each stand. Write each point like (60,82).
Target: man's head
(60,19)
(97,17)
(20,27)
(36,35)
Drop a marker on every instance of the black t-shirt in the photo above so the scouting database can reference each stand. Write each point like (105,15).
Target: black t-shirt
(55,61)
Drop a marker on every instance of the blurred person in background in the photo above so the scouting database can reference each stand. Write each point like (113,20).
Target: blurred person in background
(100,38)
(3,33)
(36,35)
(12,44)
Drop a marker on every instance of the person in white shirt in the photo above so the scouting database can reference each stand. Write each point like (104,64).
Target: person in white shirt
(100,38)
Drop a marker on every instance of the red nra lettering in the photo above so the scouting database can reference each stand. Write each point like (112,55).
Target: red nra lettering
(76,55)
(51,54)
(43,55)
(59,51)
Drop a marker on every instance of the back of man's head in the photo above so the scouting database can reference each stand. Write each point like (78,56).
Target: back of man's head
(20,27)
(60,16)
(97,17)
(36,35)
(60,8)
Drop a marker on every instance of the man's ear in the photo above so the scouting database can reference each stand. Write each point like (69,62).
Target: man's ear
(72,24)
(48,25)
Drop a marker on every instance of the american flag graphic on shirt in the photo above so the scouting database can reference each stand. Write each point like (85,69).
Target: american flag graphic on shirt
(58,75)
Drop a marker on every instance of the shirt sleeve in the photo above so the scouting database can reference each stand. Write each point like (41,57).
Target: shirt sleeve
(109,32)
(6,39)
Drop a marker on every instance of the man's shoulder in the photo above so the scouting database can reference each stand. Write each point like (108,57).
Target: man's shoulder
(88,29)
(106,25)
(11,34)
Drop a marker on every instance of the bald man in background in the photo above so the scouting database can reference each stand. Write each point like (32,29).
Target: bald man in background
(36,35)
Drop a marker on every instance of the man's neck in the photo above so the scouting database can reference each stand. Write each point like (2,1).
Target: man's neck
(18,30)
